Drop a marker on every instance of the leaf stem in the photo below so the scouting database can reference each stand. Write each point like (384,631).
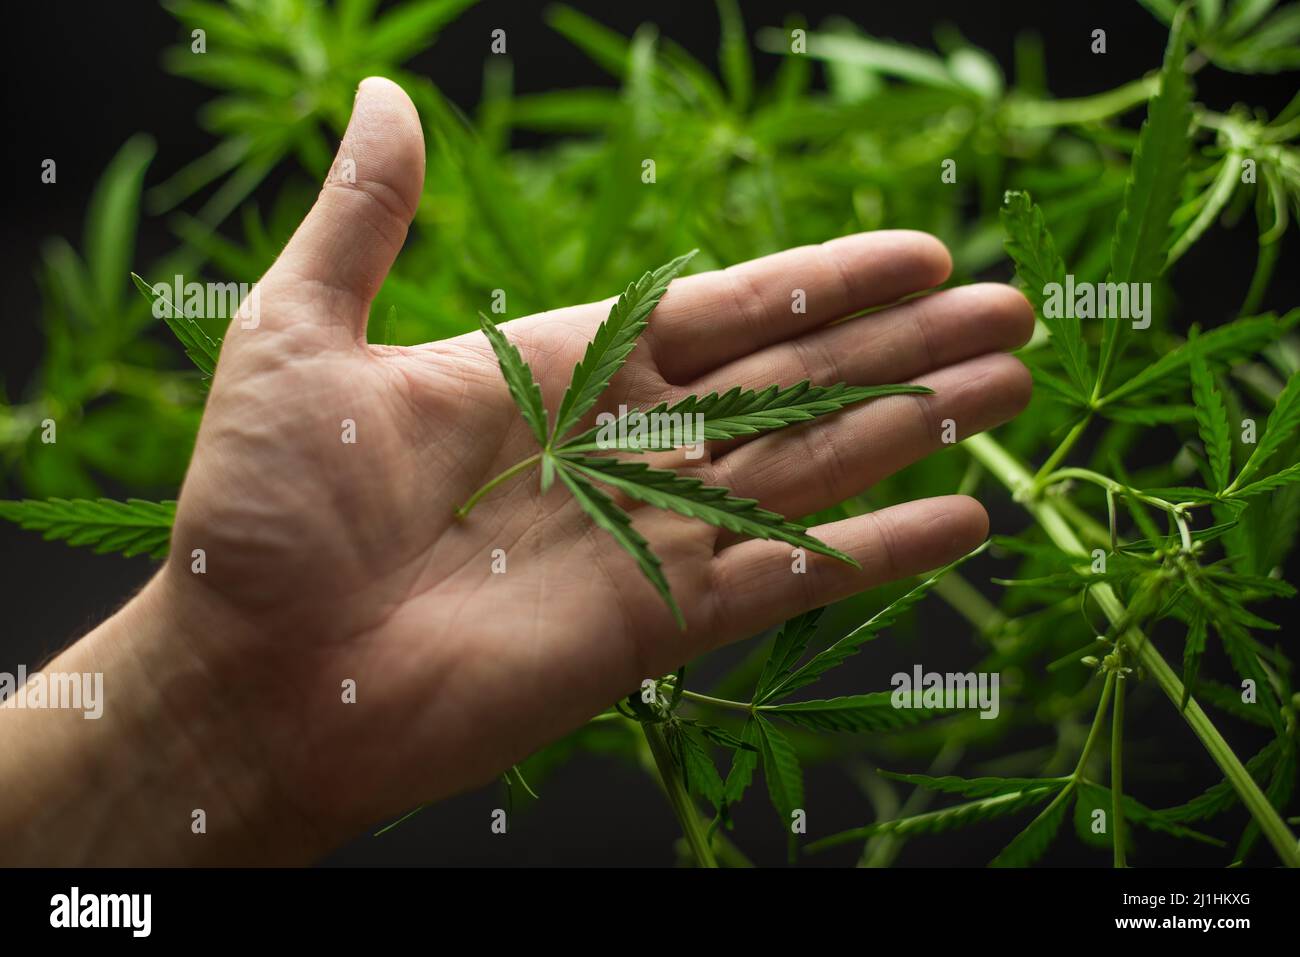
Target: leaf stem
(1117,772)
(1062,450)
(1097,721)
(677,796)
(494,482)
(716,702)
(1017,478)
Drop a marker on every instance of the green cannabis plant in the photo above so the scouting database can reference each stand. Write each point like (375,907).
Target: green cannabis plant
(1134,576)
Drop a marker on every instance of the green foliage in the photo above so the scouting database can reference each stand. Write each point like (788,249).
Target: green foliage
(608,350)
(1138,438)
(131,528)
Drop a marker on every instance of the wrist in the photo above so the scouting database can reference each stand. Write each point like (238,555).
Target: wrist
(170,772)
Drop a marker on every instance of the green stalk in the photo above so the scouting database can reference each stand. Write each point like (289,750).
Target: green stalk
(1018,480)
(1063,449)
(716,702)
(494,482)
(1087,109)
(1098,720)
(1117,772)
(681,803)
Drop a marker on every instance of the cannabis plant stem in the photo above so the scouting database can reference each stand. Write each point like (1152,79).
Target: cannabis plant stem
(1017,479)
(1098,720)
(1117,772)
(678,798)
(494,482)
(716,702)
(1062,450)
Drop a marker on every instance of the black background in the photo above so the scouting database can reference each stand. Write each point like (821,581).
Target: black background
(82,77)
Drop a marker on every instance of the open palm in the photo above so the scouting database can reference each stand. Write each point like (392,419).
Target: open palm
(327,471)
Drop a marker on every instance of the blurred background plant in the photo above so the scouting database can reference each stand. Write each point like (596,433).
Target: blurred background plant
(543,195)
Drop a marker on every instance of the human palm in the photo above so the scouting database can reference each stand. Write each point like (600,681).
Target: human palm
(327,472)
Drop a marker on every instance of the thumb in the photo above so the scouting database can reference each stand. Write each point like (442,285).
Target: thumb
(347,243)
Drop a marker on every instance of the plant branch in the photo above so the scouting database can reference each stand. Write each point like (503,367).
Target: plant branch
(681,802)
(716,702)
(1117,772)
(1017,479)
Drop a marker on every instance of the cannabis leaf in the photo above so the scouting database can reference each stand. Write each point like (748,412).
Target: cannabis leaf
(977,787)
(133,527)
(1031,843)
(863,712)
(1193,650)
(788,648)
(519,379)
(848,646)
(737,412)
(692,498)
(1212,421)
(1143,231)
(699,773)
(613,343)
(1282,423)
(958,815)
(1031,248)
(201,348)
(780,769)
(618,523)
(1240,339)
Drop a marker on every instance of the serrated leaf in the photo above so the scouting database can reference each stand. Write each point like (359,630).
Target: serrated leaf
(1193,650)
(699,773)
(738,412)
(691,497)
(1093,797)
(1281,786)
(1032,843)
(1031,248)
(934,822)
(133,527)
(780,769)
(613,343)
(1236,340)
(791,641)
(1282,423)
(1143,231)
(863,712)
(1288,476)
(1237,642)
(1211,421)
(201,348)
(848,646)
(719,736)
(618,523)
(743,763)
(1220,797)
(519,379)
(977,787)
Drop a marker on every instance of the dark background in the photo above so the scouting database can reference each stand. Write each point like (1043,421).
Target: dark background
(82,77)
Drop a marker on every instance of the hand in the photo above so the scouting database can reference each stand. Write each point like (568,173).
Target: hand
(329,560)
